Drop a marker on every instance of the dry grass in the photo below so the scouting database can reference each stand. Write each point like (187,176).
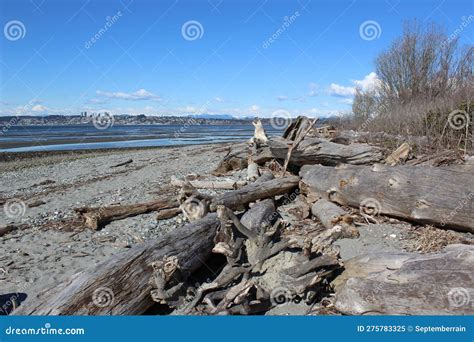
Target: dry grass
(429,239)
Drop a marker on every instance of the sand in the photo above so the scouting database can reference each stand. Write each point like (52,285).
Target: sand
(34,258)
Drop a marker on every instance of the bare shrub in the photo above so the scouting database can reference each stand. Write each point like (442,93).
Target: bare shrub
(424,76)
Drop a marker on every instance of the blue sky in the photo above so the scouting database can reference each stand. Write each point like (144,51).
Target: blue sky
(143,60)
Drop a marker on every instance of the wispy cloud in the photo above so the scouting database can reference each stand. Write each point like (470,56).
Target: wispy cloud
(139,95)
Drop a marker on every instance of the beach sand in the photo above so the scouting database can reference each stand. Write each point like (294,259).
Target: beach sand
(47,250)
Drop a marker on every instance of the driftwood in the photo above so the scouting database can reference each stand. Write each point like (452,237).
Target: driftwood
(299,136)
(408,283)
(297,127)
(441,196)
(208,184)
(252,192)
(96,218)
(237,159)
(120,285)
(129,161)
(321,151)
(168,213)
(400,154)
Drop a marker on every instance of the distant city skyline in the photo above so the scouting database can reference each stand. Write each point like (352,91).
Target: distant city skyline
(241,58)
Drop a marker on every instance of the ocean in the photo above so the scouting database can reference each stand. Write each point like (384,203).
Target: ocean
(84,137)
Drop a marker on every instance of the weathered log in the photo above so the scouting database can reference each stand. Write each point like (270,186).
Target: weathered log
(96,218)
(441,196)
(168,213)
(300,135)
(252,171)
(408,283)
(330,214)
(120,285)
(296,127)
(321,151)
(208,184)
(400,154)
(265,176)
(252,192)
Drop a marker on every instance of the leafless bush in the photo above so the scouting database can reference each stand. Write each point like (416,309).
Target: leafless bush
(424,76)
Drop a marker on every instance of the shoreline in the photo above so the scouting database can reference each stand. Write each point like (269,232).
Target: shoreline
(8,156)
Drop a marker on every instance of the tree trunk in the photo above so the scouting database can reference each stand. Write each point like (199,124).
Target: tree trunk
(321,151)
(120,285)
(252,192)
(408,283)
(442,196)
(96,218)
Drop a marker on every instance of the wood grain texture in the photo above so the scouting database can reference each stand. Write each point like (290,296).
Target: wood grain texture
(321,151)
(442,196)
(125,277)
(408,283)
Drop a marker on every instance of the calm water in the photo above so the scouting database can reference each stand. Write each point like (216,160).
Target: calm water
(51,138)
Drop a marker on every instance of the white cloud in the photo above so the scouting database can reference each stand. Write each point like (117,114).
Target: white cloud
(39,108)
(140,94)
(339,90)
(369,82)
(219,99)
(282,98)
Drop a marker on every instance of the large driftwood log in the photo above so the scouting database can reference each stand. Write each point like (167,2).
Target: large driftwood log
(250,193)
(442,196)
(408,283)
(120,285)
(96,218)
(208,184)
(321,151)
